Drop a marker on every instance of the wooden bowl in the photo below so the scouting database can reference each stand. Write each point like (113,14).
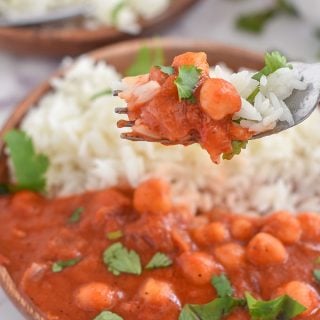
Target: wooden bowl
(76,40)
(121,56)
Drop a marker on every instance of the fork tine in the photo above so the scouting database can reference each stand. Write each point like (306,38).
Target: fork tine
(125,124)
(115,93)
(121,110)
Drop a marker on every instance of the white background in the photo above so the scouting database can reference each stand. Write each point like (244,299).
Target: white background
(210,19)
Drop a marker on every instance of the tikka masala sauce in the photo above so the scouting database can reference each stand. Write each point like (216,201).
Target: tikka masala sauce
(266,256)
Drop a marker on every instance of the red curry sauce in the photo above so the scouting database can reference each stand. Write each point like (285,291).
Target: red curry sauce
(159,113)
(266,256)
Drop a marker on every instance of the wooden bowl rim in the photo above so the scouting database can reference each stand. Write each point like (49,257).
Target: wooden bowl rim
(6,282)
(85,35)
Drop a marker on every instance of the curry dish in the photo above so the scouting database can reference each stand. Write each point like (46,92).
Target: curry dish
(62,254)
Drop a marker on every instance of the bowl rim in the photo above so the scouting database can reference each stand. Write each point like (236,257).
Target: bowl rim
(6,282)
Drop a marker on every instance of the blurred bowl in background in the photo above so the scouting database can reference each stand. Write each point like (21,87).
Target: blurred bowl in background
(309,10)
(61,41)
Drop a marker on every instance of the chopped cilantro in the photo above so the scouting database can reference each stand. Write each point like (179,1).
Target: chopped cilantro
(76,215)
(29,167)
(283,308)
(114,235)
(120,260)
(146,58)
(222,285)
(214,310)
(159,260)
(186,82)
(316,274)
(253,95)
(167,70)
(256,21)
(115,12)
(273,61)
(107,315)
(237,147)
(102,93)
(60,265)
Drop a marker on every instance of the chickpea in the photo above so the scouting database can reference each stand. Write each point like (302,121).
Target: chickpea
(302,292)
(242,229)
(310,225)
(215,232)
(26,203)
(95,296)
(230,255)
(198,267)
(283,226)
(264,250)
(152,196)
(157,292)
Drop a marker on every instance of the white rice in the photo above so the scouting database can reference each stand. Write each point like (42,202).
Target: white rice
(122,14)
(86,153)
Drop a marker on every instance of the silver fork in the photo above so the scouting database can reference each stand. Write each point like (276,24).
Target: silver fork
(301,105)
(56,15)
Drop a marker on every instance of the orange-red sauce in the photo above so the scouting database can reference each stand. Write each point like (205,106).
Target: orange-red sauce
(266,256)
(206,120)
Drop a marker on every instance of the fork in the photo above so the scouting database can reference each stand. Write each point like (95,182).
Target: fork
(301,104)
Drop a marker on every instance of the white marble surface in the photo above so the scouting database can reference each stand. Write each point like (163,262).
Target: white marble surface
(211,19)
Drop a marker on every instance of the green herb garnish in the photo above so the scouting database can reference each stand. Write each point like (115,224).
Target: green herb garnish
(120,260)
(60,265)
(214,310)
(316,274)
(76,215)
(114,235)
(283,308)
(115,12)
(273,61)
(256,21)
(237,147)
(105,92)
(167,70)
(159,260)
(145,60)
(107,315)
(222,285)
(29,167)
(186,82)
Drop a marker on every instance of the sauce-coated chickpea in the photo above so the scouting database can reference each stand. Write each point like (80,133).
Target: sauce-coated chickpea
(302,292)
(157,292)
(310,225)
(215,232)
(152,196)
(265,250)
(230,255)
(242,229)
(95,296)
(198,267)
(283,226)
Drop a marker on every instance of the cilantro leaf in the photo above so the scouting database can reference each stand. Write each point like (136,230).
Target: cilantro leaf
(283,307)
(114,235)
(159,260)
(316,274)
(273,61)
(29,167)
(167,70)
(120,260)
(255,22)
(115,12)
(60,265)
(102,93)
(186,82)
(146,58)
(76,215)
(107,315)
(222,285)
(237,147)
(214,310)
